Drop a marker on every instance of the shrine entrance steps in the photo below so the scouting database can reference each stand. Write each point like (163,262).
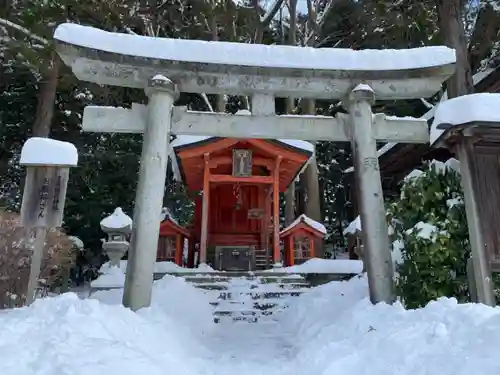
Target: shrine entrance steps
(247,296)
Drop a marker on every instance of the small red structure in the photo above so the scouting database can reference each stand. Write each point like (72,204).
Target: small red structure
(171,242)
(236,216)
(299,239)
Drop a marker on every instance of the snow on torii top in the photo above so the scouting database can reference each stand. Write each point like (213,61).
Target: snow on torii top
(255,55)
(48,152)
(125,60)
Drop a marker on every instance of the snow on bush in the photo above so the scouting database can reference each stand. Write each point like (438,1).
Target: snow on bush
(430,227)
(15,259)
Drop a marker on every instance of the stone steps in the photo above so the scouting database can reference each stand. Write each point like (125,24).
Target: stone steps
(240,296)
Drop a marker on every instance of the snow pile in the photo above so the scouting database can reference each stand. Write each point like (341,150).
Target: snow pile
(331,329)
(325,266)
(174,297)
(465,109)
(46,151)
(336,330)
(111,277)
(255,55)
(67,335)
(163,267)
(117,220)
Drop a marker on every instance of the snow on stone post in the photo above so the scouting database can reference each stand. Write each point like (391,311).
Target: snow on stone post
(150,190)
(48,162)
(377,252)
(117,226)
(469,125)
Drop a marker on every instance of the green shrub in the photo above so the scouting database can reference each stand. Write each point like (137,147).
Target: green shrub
(429,220)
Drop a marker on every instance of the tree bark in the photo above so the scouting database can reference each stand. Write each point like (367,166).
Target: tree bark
(46,98)
(484,35)
(453,35)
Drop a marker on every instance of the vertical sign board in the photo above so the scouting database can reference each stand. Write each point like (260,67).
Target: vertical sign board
(44,196)
(42,208)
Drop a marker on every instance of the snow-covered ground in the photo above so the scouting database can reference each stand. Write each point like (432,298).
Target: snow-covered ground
(333,329)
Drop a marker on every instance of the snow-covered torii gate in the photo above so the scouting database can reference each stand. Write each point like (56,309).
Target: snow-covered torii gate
(165,67)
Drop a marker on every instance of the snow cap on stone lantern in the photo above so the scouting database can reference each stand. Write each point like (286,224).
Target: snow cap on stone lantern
(117,226)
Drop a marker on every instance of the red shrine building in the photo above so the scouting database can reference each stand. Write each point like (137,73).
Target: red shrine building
(236,216)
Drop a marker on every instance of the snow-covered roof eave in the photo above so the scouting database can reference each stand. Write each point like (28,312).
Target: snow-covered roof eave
(317,226)
(463,110)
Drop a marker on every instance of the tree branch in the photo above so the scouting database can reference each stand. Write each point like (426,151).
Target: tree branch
(23,30)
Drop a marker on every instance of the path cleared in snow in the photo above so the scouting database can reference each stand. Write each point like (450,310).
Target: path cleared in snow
(333,329)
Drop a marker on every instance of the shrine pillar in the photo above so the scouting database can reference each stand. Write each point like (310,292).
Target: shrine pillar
(276,212)
(204,214)
(149,196)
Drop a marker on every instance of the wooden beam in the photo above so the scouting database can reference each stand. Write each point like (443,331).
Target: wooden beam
(291,251)
(248,180)
(276,211)
(178,249)
(314,128)
(204,213)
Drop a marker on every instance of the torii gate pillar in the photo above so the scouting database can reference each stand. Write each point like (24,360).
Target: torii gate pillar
(375,232)
(150,190)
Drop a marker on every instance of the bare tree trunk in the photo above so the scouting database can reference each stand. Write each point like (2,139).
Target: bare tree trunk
(46,98)
(290,104)
(453,35)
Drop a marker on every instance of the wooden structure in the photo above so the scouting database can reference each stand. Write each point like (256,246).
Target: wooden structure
(171,242)
(477,146)
(236,218)
(300,238)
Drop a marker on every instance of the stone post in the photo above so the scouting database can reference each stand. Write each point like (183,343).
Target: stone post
(377,252)
(150,190)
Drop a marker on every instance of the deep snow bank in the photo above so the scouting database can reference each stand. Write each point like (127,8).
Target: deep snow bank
(336,330)
(333,329)
(67,335)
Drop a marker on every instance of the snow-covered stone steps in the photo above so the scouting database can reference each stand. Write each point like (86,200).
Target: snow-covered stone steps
(247,296)
(256,305)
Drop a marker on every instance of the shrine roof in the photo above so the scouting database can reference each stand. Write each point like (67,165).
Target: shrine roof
(188,152)
(317,227)
(465,110)
(191,140)
(168,222)
(353,227)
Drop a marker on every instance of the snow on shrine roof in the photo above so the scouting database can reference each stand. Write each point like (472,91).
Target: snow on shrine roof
(254,55)
(117,220)
(185,140)
(353,226)
(166,214)
(308,221)
(46,151)
(484,107)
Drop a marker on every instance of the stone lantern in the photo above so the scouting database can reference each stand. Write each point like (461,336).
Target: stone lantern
(117,226)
